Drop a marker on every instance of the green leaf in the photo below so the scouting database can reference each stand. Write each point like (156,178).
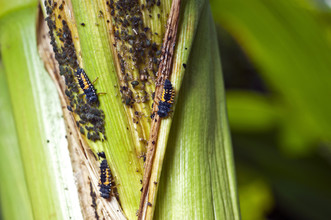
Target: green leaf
(7,7)
(251,112)
(255,193)
(198,179)
(290,45)
(13,186)
(42,158)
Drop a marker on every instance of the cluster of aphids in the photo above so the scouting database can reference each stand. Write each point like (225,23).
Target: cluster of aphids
(105,182)
(82,96)
(135,46)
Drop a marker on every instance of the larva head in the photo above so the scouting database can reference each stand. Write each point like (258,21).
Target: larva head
(162,113)
(167,84)
(164,109)
(79,71)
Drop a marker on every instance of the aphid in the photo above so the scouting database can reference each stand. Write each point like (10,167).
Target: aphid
(105,180)
(134,83)
(86,85)
(81,129)
(167,99)
(69,108)
(102,154)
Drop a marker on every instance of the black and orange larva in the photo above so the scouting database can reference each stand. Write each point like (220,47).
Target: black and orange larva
(87,87)
(105,180)
(167,99)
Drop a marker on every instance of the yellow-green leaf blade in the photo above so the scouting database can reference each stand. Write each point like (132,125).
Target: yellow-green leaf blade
(13,187)
(39,126)
(198,180)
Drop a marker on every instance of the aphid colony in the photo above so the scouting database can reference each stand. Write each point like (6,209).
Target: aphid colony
(105,182)
(90,120)
(137,50)
(167,99)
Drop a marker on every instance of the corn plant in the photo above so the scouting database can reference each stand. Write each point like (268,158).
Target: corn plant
(59,123)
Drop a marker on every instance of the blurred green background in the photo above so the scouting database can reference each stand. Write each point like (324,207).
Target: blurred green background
(276,57)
